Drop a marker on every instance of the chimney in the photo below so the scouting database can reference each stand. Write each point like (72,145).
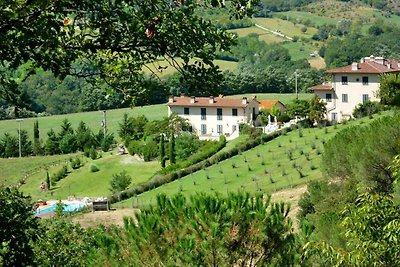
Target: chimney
(211,100)
(254,97)
(372,58)
(192,99)
(389,66)
(380,60)
(354,66)
(362,60)
(244,100)
(221,96)
(398,65)
(171,99)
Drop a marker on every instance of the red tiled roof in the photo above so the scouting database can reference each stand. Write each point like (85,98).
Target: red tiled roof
(184,101)
(269,103)
(322,87)
(369,67)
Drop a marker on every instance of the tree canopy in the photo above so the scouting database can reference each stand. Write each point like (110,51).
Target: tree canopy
(113,41)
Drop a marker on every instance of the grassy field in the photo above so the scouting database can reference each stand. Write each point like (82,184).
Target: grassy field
(92,119)
(315,18)
(263,35)
(287,161)
(83,183)
(285,27)
(299,50)
(167,69)
(284,98)
(14,169)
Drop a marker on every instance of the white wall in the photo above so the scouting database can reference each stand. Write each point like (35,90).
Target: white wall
(228,121)
(354,90)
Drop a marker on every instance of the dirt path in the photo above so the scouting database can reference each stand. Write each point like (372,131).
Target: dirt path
(92,219)
(291,196)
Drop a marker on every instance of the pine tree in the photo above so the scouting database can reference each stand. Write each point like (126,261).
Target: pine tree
(125,128)
(172,153)
(26,144)
(162,151)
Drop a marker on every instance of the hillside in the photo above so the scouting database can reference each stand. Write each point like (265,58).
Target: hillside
(287,161)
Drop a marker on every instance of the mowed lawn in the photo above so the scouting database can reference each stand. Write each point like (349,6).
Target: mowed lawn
(84,183)
(287,161)
(162,68)
(285,27)
(14,169)
(92,119)
(262,34)
(284,98)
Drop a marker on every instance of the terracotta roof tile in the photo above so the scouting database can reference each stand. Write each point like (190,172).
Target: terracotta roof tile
(322,87)
(369,67)
(184,101)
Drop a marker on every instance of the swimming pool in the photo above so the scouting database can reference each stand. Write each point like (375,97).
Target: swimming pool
(71,207)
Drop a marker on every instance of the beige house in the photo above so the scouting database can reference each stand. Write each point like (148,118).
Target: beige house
(352,85)
(212,116)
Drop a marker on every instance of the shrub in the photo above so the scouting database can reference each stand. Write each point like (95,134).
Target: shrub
(135,147)
(75,163)
(60,174)
(120,181)
(93,153)
(300,133)
(233,165)
(366,109)
(93,168)
(150,150)
(283,118)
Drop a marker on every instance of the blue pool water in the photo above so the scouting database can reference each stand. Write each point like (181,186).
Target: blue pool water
(66,208)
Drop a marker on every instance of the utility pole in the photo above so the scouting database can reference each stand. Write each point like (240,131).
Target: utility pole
(19,135)
(295,84)
(104,123)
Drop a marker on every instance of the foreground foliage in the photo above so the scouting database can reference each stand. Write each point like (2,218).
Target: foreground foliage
(205,230)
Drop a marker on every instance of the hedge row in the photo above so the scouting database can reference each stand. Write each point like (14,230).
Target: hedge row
(159,180)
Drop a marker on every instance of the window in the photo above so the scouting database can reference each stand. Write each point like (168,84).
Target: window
(345,98)
(234,112)
(219,114)
(365,80)
(203,113)
(344,80)
(219,129)
(254,114)
(204,129)
(328,97)
(365,98)
(333,116)
(186,111)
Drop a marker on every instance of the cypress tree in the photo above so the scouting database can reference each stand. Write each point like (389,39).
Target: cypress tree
(162,151)
(37,150)
(48,180)
(172,149)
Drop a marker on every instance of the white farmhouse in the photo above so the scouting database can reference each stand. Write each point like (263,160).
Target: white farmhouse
(352,85)
(211,117)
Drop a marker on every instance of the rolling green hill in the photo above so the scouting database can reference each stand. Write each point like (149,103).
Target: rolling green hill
(92,119)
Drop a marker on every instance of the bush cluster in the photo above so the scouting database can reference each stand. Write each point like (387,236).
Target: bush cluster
(62,173)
